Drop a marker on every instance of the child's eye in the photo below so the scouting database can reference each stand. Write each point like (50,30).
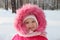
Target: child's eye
(33,21)
(26,22)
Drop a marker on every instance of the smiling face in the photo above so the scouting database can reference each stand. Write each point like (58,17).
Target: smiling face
(31,24)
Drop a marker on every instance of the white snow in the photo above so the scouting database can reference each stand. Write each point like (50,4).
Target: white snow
(7,30)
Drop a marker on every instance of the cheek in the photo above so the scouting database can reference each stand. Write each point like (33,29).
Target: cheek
(35,24)
(26,25)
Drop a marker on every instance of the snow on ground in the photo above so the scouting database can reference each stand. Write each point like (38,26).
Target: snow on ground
(7,30)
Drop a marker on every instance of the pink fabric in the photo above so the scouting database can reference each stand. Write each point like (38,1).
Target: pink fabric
(17,37)
(21,13)
(29,9)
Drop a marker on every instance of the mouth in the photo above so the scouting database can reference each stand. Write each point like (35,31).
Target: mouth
(31,28)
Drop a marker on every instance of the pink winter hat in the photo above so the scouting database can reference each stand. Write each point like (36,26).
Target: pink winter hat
(30,16)
(29,9)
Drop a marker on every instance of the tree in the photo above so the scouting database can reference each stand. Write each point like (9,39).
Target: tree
(6,4)
(13,3)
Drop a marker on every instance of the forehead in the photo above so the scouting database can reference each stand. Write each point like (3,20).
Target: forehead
(29,19)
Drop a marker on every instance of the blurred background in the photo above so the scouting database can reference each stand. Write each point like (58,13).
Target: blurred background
(44,4)
(8,11)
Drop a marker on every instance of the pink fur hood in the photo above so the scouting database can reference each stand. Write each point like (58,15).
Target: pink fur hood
(29,9)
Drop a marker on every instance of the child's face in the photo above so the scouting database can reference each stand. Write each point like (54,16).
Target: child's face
(31,24)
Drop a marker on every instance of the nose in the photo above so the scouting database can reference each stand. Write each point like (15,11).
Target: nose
(30,25)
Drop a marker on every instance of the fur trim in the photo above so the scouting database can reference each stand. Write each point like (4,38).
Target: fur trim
(29,9)
(30,35)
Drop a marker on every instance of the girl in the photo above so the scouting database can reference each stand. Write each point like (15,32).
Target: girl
(30,23)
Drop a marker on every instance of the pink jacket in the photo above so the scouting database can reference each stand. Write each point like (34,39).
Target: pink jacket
(17,37)
(21,13)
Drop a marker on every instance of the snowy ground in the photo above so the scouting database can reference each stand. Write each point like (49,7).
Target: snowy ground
(7,30)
